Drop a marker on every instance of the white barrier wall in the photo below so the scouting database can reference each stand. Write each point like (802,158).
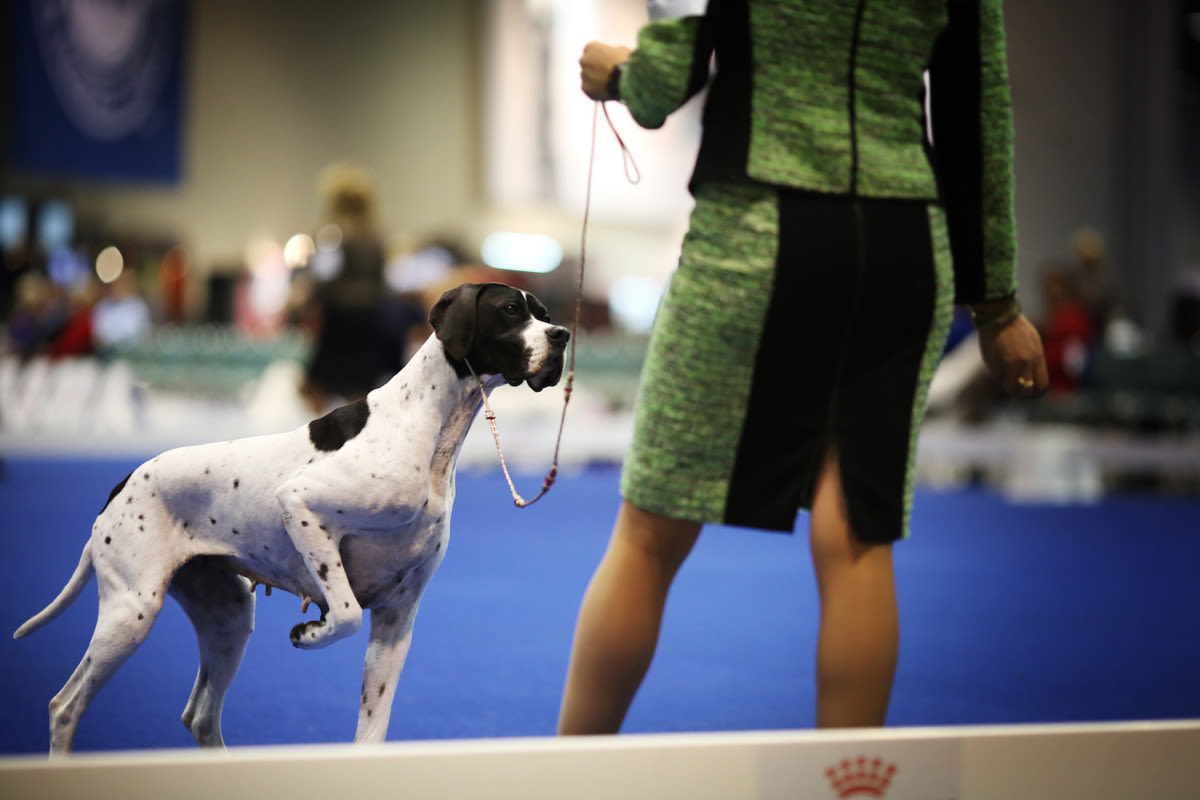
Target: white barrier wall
(1120,761)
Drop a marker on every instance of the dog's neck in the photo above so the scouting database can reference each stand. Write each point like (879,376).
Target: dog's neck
(431,379)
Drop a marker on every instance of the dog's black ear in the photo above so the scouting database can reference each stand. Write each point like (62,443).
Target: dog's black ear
(539,311)
(453,319)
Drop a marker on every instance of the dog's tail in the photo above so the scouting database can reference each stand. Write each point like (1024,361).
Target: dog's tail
(83,574)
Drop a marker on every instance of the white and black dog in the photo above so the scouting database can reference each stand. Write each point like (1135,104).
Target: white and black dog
(350,512)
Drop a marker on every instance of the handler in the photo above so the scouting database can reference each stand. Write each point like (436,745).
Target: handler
(843,206)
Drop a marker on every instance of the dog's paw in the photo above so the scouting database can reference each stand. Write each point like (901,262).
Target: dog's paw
(309,635)
(324,632)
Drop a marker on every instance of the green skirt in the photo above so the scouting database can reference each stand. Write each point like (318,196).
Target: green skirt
(794,322)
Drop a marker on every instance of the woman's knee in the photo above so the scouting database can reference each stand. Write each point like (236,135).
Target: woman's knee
(667,540)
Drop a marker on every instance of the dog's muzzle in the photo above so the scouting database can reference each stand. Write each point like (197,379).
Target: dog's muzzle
(550,370)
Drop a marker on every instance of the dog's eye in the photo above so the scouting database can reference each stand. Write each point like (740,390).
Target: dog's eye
(511,309)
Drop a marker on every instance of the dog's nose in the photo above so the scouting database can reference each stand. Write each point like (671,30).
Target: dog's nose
(558,334)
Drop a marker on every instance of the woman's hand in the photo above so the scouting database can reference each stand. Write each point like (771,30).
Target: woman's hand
(1013,353)
(596,67)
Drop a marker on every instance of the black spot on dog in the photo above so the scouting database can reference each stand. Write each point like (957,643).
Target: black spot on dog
(303,523)
(382,689)
(438,546)
(108,540)
(323,571)
(339,426)
(236,482)
(235,531)
(212,521)
(141,616)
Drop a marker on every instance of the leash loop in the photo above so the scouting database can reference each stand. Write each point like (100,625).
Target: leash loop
(632,173)
(634,176)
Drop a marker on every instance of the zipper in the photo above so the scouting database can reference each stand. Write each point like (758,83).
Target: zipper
(853,95)
(860,244)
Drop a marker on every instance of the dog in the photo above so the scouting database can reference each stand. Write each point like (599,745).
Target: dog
(349,512)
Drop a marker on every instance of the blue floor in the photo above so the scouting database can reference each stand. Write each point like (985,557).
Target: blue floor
(1009,614)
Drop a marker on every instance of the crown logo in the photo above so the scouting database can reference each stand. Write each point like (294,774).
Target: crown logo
(860,776)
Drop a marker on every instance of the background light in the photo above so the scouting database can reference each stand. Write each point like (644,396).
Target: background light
(521,252)
(633,302)
(109,264)
(298,250)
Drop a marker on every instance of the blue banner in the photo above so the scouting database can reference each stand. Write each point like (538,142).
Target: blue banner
(96,89)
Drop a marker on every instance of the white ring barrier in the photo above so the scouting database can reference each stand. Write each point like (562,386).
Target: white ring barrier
(1152,760)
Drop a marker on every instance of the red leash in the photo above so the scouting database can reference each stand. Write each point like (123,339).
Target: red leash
(633,175)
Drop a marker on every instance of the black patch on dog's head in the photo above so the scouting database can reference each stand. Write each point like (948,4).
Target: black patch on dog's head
(116,491)
(484,323)
(453,319)
(339,426)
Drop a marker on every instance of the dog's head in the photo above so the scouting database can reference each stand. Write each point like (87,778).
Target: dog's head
(502,331)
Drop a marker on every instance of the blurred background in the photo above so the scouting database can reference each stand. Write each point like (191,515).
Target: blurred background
(221,218)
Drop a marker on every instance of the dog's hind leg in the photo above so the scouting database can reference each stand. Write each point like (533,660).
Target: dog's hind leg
(220,605)
(125,616)
(391,635)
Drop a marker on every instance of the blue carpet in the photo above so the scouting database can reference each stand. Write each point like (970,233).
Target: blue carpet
(1009,614)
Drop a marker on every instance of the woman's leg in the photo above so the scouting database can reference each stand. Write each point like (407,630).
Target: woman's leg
(617,629)
(859,634)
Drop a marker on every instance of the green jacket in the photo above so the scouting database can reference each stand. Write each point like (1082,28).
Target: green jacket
(830,96)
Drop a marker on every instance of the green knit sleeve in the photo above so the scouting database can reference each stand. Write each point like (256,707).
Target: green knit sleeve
(669,66)
(973,149)
(999,211)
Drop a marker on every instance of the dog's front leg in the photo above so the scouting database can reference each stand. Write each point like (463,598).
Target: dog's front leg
(318,546)
(391,635)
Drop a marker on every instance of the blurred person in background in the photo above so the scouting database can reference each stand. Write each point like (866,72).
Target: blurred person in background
(76,337)
(121,317)
(350,352)
(1068,329)
(1096,287)
(40,309)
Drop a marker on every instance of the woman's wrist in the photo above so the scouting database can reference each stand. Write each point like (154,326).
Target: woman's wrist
(995,314)
(614,83)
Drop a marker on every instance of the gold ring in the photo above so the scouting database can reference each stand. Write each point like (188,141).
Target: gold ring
(1026,383)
